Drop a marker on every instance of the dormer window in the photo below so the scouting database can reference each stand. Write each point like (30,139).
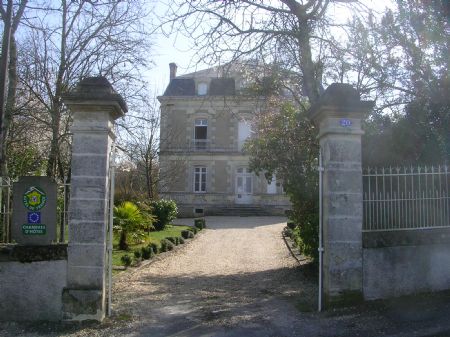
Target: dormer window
(202,89)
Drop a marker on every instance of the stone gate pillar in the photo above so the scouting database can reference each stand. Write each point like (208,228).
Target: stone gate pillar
(338,116)
(94,105)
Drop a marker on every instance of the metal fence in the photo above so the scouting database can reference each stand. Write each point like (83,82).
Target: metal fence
(6,209)
(406,198)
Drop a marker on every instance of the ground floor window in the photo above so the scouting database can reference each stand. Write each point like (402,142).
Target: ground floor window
(200,179)
(272,187)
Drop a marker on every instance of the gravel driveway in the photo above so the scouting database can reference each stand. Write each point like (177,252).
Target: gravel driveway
(237,278)
(233,279)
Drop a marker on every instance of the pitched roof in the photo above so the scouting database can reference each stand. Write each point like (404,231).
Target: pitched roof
(180,87)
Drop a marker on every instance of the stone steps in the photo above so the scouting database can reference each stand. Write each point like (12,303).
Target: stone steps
(241,211)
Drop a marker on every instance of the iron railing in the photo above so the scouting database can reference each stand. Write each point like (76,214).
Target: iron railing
(63,210)
(5,209)
(406,198)
(201,145)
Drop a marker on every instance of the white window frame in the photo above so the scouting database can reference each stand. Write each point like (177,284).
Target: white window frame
(202,89)
(200,143)
(272,187)
(199,181)
(201,122)
(244,132)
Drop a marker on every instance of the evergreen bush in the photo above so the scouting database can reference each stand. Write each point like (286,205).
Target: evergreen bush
(193,230)
(137,254)
(288,232)
(154,247)
(166,245)
(174,240)
(165,211)
(126,260)
(291,225)
(147,252)
(199,223)
(309,236)
(185,234)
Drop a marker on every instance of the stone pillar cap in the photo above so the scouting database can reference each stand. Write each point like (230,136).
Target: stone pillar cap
(96,90)
(339,100)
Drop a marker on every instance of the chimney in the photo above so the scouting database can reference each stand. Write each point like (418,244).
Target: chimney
(173,70)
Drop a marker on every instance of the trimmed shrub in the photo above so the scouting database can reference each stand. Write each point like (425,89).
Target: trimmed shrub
(291,225)
(174,240)
(137,254)
(147,252)
(193,230)
(288,232)
(185,234)
(166,245)
(181,241)
(165,211)
(154,247)
(126,260)
(199,223)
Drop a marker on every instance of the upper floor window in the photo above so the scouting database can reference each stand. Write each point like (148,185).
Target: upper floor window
(202,89)
(201,133)
(244,131)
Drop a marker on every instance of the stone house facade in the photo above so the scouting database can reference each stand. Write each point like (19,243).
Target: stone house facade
(205,120)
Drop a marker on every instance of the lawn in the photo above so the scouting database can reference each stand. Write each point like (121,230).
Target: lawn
(152,237)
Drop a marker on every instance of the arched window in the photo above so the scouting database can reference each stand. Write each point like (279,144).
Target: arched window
(202,89)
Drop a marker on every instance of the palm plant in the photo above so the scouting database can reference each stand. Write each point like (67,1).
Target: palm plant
(128,220)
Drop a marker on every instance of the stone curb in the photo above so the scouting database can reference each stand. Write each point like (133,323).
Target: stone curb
(288,242)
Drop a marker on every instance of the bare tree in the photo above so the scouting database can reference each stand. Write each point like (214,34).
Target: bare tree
(292,32)
(11,18)
(75,40)
(142,145)
(140,140)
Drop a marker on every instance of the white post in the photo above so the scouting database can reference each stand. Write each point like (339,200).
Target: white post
(320,230)
(111,219)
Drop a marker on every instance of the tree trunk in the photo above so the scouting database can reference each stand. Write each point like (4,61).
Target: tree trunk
(148,178)
(10,103)
(311,83)
(123,244)
(52,162)
(7,23)
(53,159)
(149,167)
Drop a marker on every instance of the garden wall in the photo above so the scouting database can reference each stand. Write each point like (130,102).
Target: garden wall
(405,262)
(32,279)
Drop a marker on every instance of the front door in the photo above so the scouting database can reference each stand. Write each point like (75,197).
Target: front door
(244,186)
